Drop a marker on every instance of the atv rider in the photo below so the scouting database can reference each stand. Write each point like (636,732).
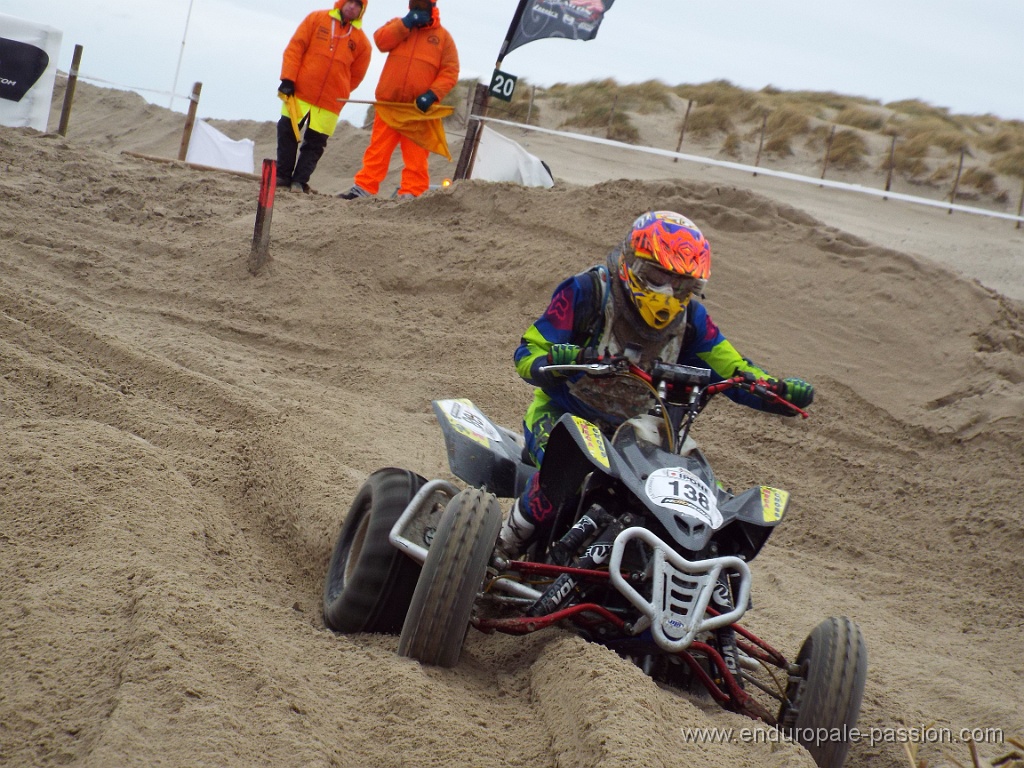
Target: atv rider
(640,303)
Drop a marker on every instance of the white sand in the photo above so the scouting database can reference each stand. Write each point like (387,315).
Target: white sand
(181,442)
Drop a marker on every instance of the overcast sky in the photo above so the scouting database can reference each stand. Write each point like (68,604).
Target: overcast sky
(965,55)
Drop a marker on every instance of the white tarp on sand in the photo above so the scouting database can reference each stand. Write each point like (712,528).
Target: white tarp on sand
(500,159)
(208,146)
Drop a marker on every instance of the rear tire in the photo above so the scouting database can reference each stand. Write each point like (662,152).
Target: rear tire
(369,583)
(824,696)
(442,605)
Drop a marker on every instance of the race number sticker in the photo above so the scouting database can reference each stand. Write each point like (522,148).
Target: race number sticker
(682,491)
(593,439)
(467,420)
(773,503)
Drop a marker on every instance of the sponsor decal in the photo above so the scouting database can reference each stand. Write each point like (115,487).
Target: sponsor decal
(467,420)
(599,553)
(593,440)
(773,503)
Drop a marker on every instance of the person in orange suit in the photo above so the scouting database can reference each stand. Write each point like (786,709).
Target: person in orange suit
(422,67)
(325,60)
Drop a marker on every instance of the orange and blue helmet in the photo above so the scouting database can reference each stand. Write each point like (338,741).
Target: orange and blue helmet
(664,260)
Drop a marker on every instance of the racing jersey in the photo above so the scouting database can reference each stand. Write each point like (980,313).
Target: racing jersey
(587,310)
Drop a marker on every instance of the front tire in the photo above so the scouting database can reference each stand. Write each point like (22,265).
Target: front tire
(824,696)
(442,605)
(369,583)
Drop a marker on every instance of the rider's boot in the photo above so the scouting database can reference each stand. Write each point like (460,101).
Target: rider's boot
(515,533)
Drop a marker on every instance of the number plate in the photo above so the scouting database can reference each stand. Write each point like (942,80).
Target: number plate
(503,85)
(682,491)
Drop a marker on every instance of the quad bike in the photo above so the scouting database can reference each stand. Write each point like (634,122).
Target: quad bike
(649,555)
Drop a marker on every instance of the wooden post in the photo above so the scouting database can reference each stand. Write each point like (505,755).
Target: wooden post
(682,130)
(1020,205)
(764,125)
(464,168)
(260,252)
(190,120)
(892,164)
(470,95)
(956,182)
(828,151)
(529,110)
(611,117)
(69,92)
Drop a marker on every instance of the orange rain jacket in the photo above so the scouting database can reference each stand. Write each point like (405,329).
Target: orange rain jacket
(419,60)
(327,58)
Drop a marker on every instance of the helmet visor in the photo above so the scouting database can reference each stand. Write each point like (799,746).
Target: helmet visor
(663,281)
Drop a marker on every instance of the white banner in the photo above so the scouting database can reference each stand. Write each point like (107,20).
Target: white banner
(208,146)
(28,69)
(498,158)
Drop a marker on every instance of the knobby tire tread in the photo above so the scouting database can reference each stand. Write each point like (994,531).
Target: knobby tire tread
(442,605)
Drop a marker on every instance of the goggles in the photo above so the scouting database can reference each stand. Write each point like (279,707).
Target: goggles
(662,281)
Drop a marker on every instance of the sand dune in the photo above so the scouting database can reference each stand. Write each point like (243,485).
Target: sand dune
(181,441)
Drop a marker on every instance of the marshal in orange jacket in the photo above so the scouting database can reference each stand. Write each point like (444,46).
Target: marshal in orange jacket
(326,58)
(419,60)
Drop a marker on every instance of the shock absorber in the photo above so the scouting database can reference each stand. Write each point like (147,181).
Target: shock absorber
(563,550)
(563,588)
(599,552)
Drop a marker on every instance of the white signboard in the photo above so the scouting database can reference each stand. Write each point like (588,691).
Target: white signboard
(28,68)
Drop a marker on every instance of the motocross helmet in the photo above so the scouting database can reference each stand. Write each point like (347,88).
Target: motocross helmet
(663,261)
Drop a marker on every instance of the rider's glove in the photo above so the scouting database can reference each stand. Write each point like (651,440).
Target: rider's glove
(287,87)
(797,391)
(416,18)
(425,100)
(563,354)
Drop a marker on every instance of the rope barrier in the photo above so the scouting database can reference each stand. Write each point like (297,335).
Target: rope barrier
(757,170)
(132,87)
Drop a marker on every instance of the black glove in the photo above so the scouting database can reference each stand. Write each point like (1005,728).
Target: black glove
(425,100)
(797,391)
(287,87)
(416,18)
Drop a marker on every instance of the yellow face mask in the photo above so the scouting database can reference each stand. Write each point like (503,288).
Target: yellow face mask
(658,304)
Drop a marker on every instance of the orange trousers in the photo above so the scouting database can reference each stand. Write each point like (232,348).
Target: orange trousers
(377,160)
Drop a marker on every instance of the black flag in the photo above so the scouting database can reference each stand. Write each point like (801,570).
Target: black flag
(570,19)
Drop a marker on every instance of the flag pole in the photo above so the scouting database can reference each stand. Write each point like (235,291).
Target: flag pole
(181,54)
(464,167)
(516,18)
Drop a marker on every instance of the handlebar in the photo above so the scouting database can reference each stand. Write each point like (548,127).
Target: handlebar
(677,375)
(769,391)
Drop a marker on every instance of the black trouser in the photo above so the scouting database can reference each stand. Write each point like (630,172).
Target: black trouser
(313,143)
